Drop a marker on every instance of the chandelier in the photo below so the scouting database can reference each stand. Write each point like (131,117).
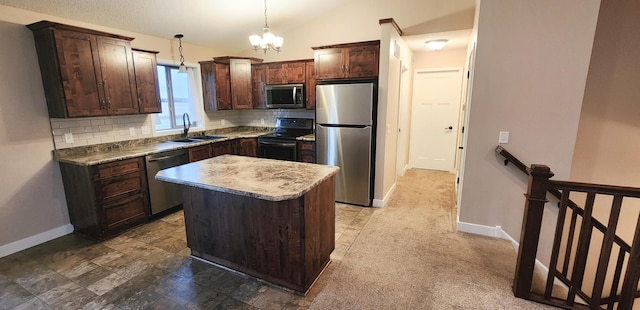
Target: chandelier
(268,40)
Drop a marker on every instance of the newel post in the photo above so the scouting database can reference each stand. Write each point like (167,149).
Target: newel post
(530,233)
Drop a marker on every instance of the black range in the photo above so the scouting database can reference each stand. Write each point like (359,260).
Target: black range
(281,144)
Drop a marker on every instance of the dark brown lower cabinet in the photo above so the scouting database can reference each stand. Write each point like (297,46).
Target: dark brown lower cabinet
(107,199)
(286,242)
(201,152)
(306,151)
(245,147)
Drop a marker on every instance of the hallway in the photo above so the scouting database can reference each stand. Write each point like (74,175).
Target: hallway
(404,256)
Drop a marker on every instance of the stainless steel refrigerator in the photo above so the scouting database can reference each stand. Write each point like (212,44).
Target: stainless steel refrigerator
(344,136)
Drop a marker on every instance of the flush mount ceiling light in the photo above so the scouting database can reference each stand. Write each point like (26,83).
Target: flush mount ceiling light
(183,68)
(436,44)
(268,41)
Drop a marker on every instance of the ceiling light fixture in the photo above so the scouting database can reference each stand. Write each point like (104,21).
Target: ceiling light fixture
(436,45)
(183,68)
(268,41)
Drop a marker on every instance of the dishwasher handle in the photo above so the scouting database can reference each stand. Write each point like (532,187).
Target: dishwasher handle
(154,159)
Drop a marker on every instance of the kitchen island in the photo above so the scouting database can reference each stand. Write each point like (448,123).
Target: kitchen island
(270,219)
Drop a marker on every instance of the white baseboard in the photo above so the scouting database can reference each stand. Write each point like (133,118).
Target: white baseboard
(28,242)
(381,203)
(498,232)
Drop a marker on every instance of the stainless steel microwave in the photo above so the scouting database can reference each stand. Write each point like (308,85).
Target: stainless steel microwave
(289,96)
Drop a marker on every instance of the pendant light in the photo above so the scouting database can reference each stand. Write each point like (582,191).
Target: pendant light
(268,41)
(183,68)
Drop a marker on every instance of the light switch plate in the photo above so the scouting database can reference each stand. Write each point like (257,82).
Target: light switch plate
(262,121)
(68,138)
(503,137)
(132,131)
(222,122)
(146,130)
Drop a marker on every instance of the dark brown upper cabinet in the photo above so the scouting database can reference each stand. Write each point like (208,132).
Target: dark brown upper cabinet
(227,83)
(286,72)
(145,67)
(259,78)
(310,85)
(347,61)
(85,72)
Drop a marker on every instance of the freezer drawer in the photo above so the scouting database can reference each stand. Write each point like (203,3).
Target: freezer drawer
(350,149)
(345,104)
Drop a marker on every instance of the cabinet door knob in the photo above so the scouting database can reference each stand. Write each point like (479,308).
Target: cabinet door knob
(449,128)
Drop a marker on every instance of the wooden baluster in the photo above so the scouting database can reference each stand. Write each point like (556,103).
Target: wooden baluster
(530,232)
(584,241)
(605,251)
(632,274)
(557,240)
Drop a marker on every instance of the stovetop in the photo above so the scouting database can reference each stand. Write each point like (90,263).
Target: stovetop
(291,128)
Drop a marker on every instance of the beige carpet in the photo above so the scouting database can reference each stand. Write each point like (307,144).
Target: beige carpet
(409,256)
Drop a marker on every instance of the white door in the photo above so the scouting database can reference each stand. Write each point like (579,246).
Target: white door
(434,118)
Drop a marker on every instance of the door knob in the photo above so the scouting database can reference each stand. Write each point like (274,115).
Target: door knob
(450,127)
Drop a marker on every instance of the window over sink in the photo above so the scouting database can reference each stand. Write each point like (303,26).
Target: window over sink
(179,94)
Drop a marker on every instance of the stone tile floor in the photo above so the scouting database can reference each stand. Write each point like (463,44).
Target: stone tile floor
(149,267)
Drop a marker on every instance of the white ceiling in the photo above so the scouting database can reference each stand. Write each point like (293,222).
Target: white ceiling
(212,23)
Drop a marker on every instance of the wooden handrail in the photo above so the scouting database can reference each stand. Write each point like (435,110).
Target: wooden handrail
(536,198)
(509,158)
(600,188)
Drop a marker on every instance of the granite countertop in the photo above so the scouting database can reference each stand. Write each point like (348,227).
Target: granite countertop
(261,178)
(137,150)
(310,137)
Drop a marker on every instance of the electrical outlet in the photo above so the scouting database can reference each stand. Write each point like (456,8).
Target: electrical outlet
(262,121)
(132,131)
(503,137)
(222,122)
(146,130)
(68,138)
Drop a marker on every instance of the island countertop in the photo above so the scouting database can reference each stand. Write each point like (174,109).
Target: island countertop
(261,178)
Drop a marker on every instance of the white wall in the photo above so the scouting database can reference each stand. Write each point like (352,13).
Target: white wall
(440,59)
(530,71)
(388,108)
(358,21)
(606,150)
(32,199)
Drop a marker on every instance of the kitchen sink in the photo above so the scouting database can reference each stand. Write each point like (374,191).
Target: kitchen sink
(184,140)
(208,137)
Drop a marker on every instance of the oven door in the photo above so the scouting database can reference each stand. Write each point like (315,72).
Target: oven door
(277,149)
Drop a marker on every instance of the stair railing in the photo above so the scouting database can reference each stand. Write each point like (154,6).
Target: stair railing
(570,270)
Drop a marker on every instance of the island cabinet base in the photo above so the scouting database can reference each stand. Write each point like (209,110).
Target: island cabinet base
(287,243)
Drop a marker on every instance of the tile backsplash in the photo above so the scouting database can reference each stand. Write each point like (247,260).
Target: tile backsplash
(106,129)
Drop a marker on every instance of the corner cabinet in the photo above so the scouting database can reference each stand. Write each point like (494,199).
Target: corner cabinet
(85,72)
(227,83)
(106,199)
(148,90)
(347,61)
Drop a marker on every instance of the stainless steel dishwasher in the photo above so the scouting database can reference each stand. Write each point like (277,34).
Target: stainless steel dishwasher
(164,195)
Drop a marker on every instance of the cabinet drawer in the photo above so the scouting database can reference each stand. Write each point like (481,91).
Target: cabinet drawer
(118,168)
(305,146)
(120,186)
(124,213)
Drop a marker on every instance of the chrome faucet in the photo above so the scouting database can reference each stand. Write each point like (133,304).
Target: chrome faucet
(186,123)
